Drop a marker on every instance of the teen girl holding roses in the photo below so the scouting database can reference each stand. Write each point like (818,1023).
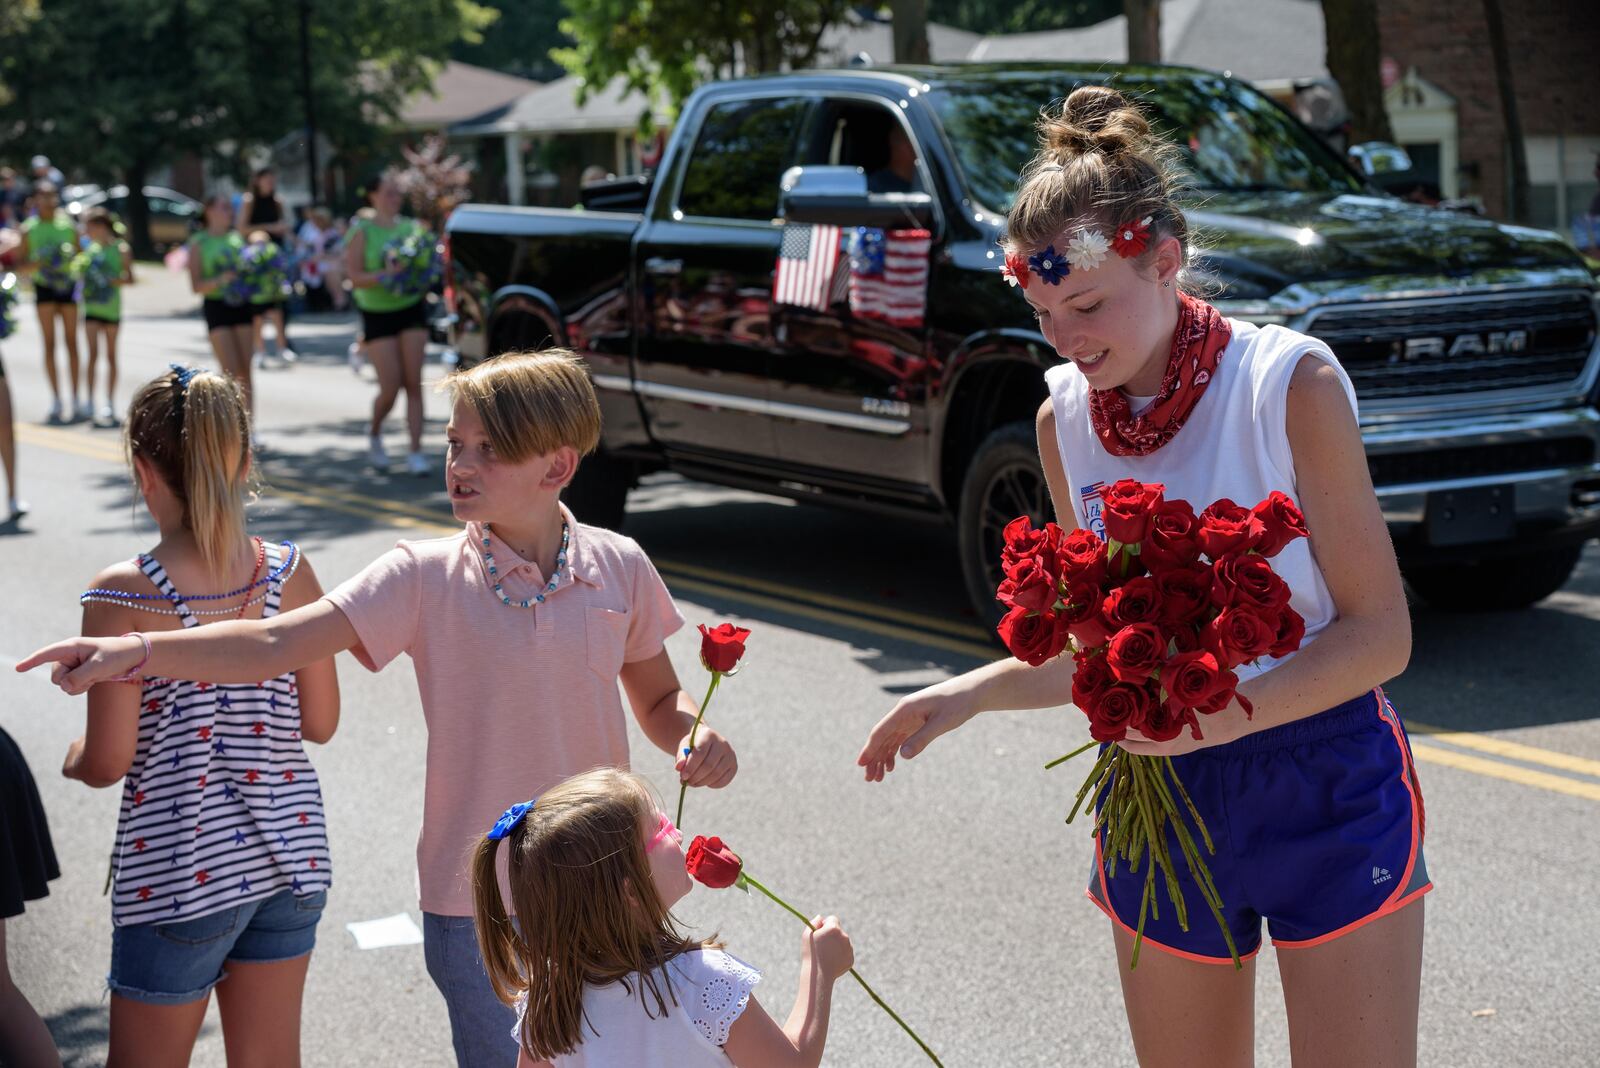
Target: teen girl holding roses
(1312,799)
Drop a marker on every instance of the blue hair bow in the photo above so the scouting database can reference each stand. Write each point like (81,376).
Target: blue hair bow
(509,819)
(184,375)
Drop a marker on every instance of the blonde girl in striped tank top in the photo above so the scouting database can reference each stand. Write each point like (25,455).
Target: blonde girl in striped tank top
(220,864)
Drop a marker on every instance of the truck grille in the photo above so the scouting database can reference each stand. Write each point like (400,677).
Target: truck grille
(1481,344)
(1472,461)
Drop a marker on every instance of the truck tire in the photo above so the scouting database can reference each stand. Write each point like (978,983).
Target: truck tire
(1003,481)
(1496,585)
(599,494)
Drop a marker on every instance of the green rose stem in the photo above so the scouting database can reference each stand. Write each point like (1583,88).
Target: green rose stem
(683,788)
(873,994)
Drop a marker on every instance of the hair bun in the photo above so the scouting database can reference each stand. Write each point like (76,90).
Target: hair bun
(1094,118)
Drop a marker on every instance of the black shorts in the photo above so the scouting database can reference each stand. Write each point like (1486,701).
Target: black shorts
(258,310)
(46,295)
(108,320)
(220,314)
(376,326)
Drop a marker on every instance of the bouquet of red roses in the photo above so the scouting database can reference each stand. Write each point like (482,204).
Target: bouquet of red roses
(1157,616)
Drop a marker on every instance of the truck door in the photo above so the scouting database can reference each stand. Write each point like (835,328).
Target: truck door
(850,381)
(705,260)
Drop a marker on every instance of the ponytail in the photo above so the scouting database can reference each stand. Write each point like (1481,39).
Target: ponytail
(194,429)
(498,941)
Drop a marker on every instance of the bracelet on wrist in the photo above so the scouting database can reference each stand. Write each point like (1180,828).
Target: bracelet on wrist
(132,674)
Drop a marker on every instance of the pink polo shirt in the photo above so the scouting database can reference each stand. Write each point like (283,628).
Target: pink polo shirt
(516,699)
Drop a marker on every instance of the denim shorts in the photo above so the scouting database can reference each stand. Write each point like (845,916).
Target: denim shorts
(176,963)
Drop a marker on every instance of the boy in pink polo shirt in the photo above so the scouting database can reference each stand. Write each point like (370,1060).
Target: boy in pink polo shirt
(519,628)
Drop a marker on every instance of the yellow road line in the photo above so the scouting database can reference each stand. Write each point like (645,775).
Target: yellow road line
(844,612)
(1501,747)
(1560,784)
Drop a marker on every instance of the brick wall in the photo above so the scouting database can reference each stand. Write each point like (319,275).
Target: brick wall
(1555,67)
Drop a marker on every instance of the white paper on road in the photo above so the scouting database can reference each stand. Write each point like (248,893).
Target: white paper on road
(397,930)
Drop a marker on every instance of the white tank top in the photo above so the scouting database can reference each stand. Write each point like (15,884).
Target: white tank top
(1234,444)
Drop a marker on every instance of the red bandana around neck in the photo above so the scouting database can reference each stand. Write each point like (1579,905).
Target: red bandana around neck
(1197,346)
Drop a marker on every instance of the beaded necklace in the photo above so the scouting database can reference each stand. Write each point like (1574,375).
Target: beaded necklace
(290,562)
(125,600)
(538,598)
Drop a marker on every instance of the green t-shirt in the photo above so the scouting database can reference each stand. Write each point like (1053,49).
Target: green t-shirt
(111,309)
(213,252)
(41,235)
(377,298)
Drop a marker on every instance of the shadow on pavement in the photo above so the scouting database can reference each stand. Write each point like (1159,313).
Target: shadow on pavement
(81,1034)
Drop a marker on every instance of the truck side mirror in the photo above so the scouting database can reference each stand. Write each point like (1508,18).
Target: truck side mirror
(1380,157)
(838,196)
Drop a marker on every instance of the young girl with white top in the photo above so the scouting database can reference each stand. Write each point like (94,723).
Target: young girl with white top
(220,865)
(591,957)
(1314,800)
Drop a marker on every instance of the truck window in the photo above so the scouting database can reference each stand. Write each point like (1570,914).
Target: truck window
(743,149)
(858,134)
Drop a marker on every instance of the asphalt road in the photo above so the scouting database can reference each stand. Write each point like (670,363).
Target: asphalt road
(957,879)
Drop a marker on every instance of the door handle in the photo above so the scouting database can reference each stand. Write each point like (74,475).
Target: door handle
(661,266)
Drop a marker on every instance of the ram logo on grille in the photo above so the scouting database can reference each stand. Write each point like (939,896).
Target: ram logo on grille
(1494,343)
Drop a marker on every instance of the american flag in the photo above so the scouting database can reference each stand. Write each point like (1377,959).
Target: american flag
(806,259)
(889,274)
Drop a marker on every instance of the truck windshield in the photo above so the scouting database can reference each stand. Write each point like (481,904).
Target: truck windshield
(1231,136)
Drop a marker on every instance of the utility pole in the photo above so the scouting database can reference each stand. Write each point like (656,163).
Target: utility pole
(305,91)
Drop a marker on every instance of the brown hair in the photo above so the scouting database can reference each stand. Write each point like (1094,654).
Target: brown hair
(586,906)
(197,437)
(532,403)
(102,217)
(1098,165)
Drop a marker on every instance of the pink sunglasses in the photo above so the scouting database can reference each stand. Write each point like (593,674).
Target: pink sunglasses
(664,829)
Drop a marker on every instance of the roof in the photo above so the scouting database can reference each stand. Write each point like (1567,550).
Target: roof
(461,91)
(843,41)
(553,108)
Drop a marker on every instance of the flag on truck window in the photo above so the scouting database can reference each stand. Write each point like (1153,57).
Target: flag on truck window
(889,274)
(806,259)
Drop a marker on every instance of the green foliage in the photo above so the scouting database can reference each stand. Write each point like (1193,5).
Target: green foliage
(664,48)
(1021,16)
(520,41)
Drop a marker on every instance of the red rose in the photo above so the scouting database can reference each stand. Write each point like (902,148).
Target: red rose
(1191,679)
(1032,636)
(1023,540)
(1291,631)
(721,647)
(1082,557)
(1030,586)
(1127,508)
(1136,601)
(1245,578)
(1164,720)
(1182,639)
(1136,652)
(1281,521)
(1225,693)
(1185,595)
(1090,679)
(1082,616)
(712,864)
(1238,634)
(1227,528)
(1171,542)
(1116,708)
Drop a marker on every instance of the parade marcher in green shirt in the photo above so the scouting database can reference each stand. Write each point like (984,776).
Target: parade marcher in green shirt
(261,210)
(102,318)
(394,325)
(213,273)
(50,240)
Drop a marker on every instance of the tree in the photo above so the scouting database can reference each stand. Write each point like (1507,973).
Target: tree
(525,33)
(1517,180)
(1351,27)
(434,180)
(666,47)
(1022,16)
(121,88)
(1144,30)
(910,30)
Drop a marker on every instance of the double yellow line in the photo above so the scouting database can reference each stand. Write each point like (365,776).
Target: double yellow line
(1506,760)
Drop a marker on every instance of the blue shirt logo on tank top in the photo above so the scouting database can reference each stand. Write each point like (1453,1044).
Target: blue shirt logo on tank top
(1091,509)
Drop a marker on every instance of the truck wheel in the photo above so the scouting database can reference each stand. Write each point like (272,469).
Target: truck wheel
(1003,482)
(599,494)
(1500,584)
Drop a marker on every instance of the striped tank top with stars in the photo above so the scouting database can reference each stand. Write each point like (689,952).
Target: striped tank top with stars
(221,806)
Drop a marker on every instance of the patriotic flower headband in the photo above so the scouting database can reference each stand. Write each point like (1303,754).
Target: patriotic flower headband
(1086,250)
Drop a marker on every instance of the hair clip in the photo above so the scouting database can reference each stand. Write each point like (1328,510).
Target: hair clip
(185,375)
(510,818)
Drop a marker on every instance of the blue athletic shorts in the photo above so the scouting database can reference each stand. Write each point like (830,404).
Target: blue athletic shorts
(176,963)
(1318,829)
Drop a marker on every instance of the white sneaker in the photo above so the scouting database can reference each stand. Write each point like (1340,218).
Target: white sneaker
(417,464)
(353,357)
(54,417)
(17,507)
(288,355)
(84,412)
(105,416)
(377,456)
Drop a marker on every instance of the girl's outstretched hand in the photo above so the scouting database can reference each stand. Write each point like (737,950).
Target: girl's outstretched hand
(82,662)
(916,720)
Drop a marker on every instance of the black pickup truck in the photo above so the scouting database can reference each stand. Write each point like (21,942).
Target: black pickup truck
(1472,345)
